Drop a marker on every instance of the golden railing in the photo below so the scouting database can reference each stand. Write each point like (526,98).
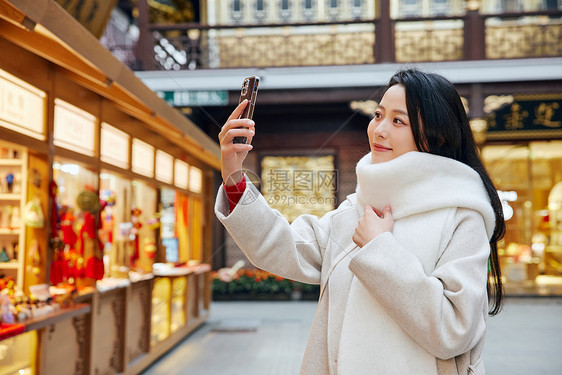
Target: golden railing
(472,36)
(533,35)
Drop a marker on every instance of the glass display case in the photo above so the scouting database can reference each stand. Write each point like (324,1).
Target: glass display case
(168,235)
(161,293)
(179,289)
(76,190)
(17,354)
(119,250)
(145,223)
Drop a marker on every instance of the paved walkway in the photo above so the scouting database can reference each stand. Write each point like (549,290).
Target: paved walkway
(268,338)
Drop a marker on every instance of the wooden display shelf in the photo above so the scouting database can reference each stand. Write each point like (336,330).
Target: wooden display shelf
(10,231)
(55,317)
(11,162)
(9,265)
(10,197)
(111,333)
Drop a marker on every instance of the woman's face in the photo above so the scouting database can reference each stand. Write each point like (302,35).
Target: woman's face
(389,131)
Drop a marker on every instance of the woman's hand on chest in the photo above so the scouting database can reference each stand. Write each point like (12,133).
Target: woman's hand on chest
(373,223)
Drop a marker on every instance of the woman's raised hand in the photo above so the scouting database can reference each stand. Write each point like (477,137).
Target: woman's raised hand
(373,223)
(233,154)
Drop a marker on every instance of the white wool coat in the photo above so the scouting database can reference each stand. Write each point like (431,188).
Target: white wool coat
(408,302)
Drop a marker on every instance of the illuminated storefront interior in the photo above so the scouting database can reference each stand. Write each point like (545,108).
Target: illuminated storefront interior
(531,175)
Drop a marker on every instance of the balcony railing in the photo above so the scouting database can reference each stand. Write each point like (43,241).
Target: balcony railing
(472,36)
(537,34)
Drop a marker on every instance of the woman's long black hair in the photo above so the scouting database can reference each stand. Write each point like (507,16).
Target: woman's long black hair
(441,127)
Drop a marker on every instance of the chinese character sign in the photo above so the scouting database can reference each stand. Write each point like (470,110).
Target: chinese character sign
(539,114)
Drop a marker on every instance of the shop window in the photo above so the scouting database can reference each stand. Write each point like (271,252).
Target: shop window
(72,179)
(532,248)
(120,252)
(145,223)
(168,224)
(77,204)
(299,184)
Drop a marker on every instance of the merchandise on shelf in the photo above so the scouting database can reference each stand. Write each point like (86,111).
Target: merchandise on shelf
(15,306)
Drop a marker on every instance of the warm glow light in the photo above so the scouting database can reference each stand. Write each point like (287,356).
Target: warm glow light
(114,146)
(143,158)
(164,167)
(74,128)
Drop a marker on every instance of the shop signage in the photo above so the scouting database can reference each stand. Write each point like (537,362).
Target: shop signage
(22,107)
(114,146)
(143,158)
(92,14)
(181,174)
(183,98)
(164,167)
(195,179)
(74,128)
(535,114)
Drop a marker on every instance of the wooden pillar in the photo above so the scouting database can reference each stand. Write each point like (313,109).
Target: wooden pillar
(476,101)
(144,52)
(384,35)
(474,35)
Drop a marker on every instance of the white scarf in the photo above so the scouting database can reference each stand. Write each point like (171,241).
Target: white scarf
(418,182)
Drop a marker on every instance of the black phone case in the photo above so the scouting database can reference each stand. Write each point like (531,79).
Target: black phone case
(249,91)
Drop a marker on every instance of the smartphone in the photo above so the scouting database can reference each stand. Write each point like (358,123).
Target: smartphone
(249,91)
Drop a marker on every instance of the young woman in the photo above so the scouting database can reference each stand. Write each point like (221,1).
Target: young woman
(403,263)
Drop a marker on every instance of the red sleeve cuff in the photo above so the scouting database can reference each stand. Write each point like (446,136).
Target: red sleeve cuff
(235,192)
